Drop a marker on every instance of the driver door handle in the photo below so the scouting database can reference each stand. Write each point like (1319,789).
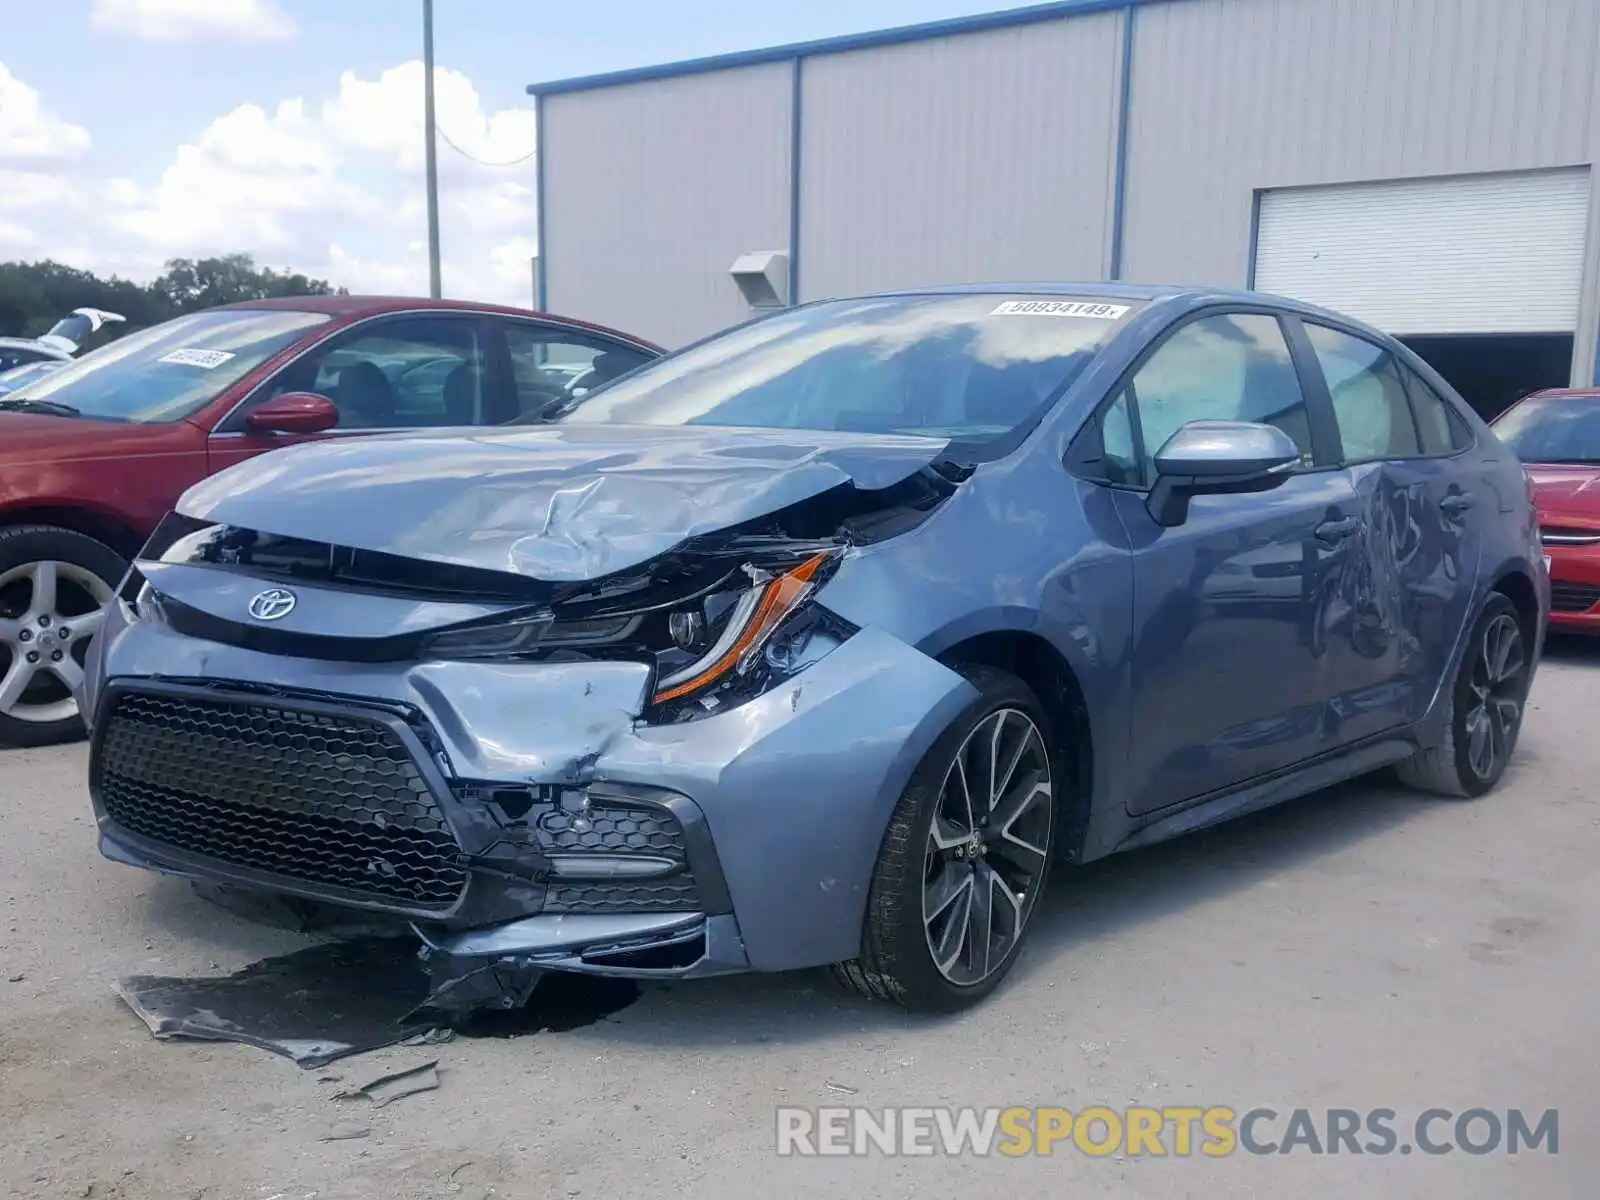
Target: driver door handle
(1457,504)
(1331,533)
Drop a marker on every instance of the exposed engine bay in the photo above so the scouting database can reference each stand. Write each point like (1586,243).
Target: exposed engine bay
(718,618)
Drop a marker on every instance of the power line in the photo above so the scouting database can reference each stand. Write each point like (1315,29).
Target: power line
(446,139)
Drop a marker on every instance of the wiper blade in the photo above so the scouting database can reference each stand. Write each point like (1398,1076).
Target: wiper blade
(52,407)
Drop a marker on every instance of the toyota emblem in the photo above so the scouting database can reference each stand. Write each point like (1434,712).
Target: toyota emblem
(272,604)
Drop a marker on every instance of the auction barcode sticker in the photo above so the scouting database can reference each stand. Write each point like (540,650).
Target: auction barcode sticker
(197,358)
(1060,308)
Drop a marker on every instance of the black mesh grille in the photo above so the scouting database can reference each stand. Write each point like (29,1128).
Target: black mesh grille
(334,801)
(611,828)
(1573,597)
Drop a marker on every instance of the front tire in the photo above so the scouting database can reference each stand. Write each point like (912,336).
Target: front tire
(965,858)
(1484,709)
(55,585)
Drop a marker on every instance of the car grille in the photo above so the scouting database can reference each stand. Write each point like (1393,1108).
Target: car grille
(1573,597)
(335,801)
(618,829)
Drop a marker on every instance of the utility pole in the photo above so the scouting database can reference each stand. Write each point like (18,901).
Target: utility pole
(435,288)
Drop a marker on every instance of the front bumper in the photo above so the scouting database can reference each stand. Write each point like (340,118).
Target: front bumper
(1574,588)
(768,818)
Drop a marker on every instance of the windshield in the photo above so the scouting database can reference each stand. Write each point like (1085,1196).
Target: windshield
(12,357)
(11,380)
(1557,429)
(974,369)
(170,371)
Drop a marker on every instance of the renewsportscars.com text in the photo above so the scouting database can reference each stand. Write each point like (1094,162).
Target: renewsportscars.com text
(1214,1132)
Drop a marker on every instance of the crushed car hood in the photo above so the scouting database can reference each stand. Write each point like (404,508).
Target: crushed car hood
(559,503)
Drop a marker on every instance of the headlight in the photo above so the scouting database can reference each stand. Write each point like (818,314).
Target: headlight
(737,633)
(766,604)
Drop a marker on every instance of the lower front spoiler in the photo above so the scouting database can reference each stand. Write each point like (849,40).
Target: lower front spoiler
(497,968)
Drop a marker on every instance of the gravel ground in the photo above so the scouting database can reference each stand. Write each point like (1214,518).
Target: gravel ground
(1360,949)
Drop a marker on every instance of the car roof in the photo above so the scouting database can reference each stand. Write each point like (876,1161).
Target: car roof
(354,307)
(1592,393)
(1179,295)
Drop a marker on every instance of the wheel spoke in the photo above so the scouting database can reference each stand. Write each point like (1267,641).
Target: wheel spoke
(1009,907)
(1508,713)
(87,625)
(1480,747)
(68,671)
(944,890)
(963,793)
(945,834)
(954,938)
(1025,743)
(1505,645)
(980,928)
(15,681)
(996,783)
(9,629)
(44,588)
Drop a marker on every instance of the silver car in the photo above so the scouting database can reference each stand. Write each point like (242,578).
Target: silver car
(820,641)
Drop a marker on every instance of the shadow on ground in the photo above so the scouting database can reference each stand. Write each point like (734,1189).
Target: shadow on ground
(1099,903)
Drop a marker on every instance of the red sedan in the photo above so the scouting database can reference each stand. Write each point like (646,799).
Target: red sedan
(95,454)
(1556,434)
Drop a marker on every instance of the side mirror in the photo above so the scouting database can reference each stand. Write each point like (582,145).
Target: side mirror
(1211,458)
(294,412)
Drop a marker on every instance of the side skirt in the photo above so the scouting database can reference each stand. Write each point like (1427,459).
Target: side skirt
(1314,777)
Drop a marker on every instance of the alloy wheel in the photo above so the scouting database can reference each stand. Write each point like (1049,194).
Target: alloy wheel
(1497,689)
(49,610)
(987,848)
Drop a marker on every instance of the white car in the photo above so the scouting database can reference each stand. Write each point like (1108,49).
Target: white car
(65,339)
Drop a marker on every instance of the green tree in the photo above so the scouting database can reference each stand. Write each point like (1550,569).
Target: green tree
(188,285)
(34,296)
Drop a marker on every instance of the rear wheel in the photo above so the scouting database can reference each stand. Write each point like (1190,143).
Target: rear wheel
(965,858)
(1485,707)
(54,588)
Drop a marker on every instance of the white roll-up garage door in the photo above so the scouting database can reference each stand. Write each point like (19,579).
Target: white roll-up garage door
(1477,254)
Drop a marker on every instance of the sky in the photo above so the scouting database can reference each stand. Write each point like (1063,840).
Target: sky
(135,131)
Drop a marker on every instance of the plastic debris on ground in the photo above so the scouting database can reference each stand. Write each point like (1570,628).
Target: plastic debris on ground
(313,1006)
(386,1089)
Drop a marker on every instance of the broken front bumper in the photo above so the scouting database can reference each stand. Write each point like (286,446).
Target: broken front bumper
(520,815)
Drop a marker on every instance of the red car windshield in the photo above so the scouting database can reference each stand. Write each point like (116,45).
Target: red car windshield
(1553,429)
(167,372)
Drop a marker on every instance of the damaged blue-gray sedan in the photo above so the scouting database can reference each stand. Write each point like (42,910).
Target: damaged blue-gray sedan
(822,640)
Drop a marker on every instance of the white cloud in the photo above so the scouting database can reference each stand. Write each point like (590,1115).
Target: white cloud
(186,20)
(14,239)
(28,129)
(384,115)
(329,186)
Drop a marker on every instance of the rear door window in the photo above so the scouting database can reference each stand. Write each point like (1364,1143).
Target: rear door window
(1439,426)
(1370,403)
(552,366)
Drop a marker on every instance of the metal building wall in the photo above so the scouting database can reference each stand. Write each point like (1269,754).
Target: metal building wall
(985,156)
(651,190)
(1232,96)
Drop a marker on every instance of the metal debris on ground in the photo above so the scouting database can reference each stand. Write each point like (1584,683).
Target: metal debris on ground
(313,1006)
(386,1089)
(346,1133)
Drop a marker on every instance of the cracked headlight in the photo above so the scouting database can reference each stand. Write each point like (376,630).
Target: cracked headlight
(770,600)
(723,643)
